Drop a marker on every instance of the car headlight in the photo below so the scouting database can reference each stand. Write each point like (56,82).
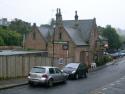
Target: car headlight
(62,71)
(73,71)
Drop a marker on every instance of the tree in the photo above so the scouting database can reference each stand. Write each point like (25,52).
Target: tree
(9,38)
(20,26)
(112,36)
(1,41)
(122,38)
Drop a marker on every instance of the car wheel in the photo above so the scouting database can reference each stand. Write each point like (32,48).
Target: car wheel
(76,76)
(85,75)
(31,83)
(64,81)
(50,83)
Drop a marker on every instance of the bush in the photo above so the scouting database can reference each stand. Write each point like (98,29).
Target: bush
(1,41)
(102,60)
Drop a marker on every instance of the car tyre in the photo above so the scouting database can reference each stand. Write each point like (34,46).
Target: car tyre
(76,76)
(31,83)
(50,83)
(65,81)
(85,75)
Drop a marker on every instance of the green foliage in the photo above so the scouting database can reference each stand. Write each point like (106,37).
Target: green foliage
(13,34)
(20,26)
(9,37)
(112,36)
(102,60)
(29,49)
(1,41)
(122,38)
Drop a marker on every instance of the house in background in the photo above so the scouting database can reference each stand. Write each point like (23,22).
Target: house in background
(38,38)
(4,22)
(70,40)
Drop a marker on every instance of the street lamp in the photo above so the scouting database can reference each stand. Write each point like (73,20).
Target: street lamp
(53,42)
(106,47)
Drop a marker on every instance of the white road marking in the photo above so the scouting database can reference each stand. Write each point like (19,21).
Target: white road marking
(104,88)
(112,84)
(122,78)
(100,93)
(117,81)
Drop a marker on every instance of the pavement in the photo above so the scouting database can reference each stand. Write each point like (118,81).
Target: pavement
(4,84)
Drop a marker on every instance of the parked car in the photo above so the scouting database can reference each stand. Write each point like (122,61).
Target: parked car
(122,52)
(115,55)
(118,54)
(46,75)
(76,70)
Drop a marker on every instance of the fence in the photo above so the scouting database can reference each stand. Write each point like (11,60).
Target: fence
(14,66)
(19,65)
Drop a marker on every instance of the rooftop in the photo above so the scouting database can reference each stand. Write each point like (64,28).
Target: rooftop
(12,52)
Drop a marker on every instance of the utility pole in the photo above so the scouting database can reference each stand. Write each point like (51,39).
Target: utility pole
(53,43)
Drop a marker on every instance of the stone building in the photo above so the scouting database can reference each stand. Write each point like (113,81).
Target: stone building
(70,40)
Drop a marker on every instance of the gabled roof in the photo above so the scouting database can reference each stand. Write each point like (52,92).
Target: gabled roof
(80,34)
(45,31)
(75,36)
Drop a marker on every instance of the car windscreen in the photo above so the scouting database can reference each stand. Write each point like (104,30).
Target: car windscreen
(72,65)
(38,70)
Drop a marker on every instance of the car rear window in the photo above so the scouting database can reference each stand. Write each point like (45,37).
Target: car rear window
(38,70)
(72,65)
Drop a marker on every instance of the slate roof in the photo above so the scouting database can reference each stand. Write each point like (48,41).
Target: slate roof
(75,36)
(45,31)
(81,34)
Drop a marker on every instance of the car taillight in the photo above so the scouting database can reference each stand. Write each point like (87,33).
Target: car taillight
(45,76)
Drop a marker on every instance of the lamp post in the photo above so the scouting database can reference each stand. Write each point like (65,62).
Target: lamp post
(106,47)
(66,47)
(53,42)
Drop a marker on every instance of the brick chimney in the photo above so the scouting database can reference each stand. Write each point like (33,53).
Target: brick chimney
(58,17)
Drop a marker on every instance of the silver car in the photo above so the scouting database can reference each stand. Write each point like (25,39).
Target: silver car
(46,75)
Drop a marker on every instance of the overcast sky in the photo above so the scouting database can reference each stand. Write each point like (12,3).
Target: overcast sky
(41,11)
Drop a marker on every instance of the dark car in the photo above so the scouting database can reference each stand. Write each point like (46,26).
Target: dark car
(76,70)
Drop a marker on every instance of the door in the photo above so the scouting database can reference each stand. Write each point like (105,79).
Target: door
(52,73)
(82,57)
(59,75)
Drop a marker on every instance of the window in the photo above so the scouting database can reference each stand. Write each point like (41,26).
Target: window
(51,71)
(57,70)
(60,36)
(34,35)
(38,70)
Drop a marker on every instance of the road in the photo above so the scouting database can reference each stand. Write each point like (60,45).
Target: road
(96,80)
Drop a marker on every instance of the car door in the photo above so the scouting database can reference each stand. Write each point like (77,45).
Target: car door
(52,74)
(81,69)
(59,75)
